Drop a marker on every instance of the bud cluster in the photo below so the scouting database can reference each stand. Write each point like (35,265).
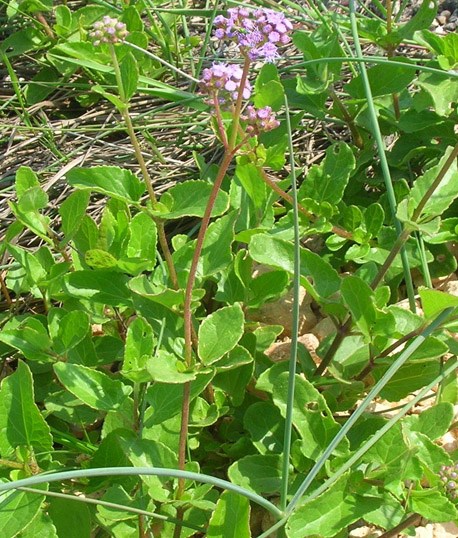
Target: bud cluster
(258,32)
(449,476)
(259,120)
(108,30)
(223,82)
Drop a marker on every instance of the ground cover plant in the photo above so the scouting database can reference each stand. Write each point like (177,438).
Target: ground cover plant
(140,395)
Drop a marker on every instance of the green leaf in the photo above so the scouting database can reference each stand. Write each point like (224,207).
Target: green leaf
(25,179)
(384,79)
(443,195)
(18,509)
(143,239)
(258,473)
(72,212)
(434,301)
(408,379)
(265,425)
(94,388)
(72,519)
(311,415)
(40,526)
(359,298)
(432,505)
(33,199)
(326,182)
(114,99)
(164,367)
(35,271)
(138,350)
(73,328)
(166,400)
(30,337)
(269,94)
(21,423)
(434,422)
(220,332)
(190,199)
(231,517)
(274,252)
(250,177)
(420,21)
(112,181)
(328,514)
(234,382)
(101,286)
(99,259)
(129,75)
(442,91)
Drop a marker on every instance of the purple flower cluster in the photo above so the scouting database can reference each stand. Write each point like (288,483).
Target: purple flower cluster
(259,120)
(222,81)
(449,476)
(258,32)
(108,30)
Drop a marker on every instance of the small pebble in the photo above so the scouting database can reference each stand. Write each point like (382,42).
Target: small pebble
(451,26)
(446,14)
(441,20)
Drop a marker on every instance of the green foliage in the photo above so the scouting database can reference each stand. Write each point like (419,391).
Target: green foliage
(98,373)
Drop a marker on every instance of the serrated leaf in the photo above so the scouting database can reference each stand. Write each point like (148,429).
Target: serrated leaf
(434,422)
(432,505)
(312,417)
(99,259)
(21,423)
(143,238)
(231,517)
(112,181)
(443,195)
(220,332)
(328,514)
(327,182)
(18,510)
(94,388)
(189,199)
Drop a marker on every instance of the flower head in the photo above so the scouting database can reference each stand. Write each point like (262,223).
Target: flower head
(108,30)
(258,32)
(448,475)
(259,120)
(222,81)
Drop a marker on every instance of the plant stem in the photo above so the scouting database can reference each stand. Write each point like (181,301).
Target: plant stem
(144,169)
(238,103)
(382,154)
(356,135)
(395,531)
(335,229)
(295,326)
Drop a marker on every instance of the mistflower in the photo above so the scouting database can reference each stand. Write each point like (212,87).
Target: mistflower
(223,82)
(258,32)
(449,476)
(259,120)
(108,30)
